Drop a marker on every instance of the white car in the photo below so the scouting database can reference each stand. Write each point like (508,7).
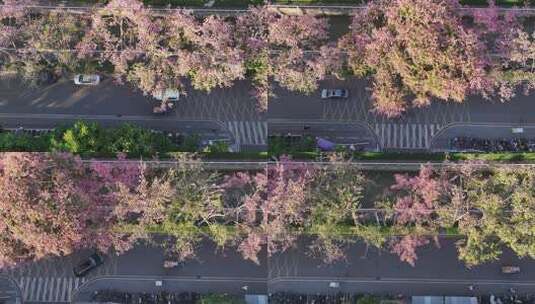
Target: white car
(167,94)
(87,79)
(334,93)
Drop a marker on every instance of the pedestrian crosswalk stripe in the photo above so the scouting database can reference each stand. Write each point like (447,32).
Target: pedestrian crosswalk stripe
(405,135)
(58,289)
(35,295)
(31,286)
(69,289)
(48,289)
(248,132)
(64,290)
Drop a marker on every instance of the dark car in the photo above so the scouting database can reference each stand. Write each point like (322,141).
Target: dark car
(87,265)
(46,78)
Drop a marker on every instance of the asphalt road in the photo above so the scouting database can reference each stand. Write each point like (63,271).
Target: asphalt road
(416,129)
(108,98)
(237,118)
(9,291)
(437,272)
(366,269)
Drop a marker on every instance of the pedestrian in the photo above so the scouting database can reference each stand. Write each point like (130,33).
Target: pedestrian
(471,287)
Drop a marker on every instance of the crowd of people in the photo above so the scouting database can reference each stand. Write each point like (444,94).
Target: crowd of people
(492,145)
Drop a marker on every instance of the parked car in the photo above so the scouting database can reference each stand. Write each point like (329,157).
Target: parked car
(167,94)
(334,93)
(510,269)
(85,266)
(87,79)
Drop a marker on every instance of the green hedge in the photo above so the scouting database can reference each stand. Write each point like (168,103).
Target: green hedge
(92,139)
(279,145)
(407,156)
(221,299)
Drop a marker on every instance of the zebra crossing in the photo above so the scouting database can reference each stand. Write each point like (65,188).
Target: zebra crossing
(405,136)
(48,289)
(248,132)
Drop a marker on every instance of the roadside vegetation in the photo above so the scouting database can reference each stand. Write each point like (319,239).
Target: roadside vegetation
(91,139)
(54,204)
(413,51)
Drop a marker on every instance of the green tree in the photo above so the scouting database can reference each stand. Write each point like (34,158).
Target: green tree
(334,199)
(82,137)
(134,140)
(499,211)
(368,299)
(185,204)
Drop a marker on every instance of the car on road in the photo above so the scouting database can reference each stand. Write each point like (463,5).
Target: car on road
(85,266)
(334,93)
(86,79)
(167,94)
(510,269)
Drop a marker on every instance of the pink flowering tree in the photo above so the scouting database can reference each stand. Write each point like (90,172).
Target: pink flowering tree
(49,40)
(508,50)
(273,209)
(53,204)
(38,41)
(414,210)
(276,47)
(414,50)
(122,33)
(213,56)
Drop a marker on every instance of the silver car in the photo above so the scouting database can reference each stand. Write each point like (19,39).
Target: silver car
(334,93)
(86,79)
